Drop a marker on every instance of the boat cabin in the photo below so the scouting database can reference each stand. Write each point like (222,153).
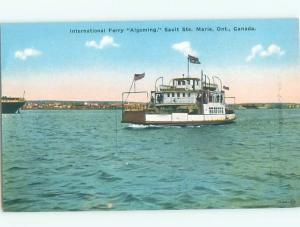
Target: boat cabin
(187,91)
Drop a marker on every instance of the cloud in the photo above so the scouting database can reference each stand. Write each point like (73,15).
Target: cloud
(272,50)
(254,51)
(106,41)
(184,48)
(258,50)
(26,53)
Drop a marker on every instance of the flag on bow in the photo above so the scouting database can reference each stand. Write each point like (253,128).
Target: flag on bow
(139,76)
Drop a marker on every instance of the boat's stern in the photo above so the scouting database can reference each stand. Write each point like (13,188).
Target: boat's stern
(230,117)
(229,114)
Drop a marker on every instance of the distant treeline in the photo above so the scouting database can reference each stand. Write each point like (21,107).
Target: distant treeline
(71,102)
(265,106)
(53,104)
(56,105)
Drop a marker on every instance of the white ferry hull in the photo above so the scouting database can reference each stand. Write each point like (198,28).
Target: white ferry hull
(176,118)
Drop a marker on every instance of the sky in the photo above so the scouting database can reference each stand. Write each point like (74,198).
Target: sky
(49,61)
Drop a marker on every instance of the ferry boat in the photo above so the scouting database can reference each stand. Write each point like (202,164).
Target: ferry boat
(11,104)
(184,101)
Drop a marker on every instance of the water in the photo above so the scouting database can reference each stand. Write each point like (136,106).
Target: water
(88,160)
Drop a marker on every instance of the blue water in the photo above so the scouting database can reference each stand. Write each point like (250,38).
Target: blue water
(88,160)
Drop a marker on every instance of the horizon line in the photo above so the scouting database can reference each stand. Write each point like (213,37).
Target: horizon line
(61,100)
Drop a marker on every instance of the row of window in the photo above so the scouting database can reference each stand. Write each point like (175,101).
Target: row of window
(216,98)
(216,110)
(178,94)
(188,82)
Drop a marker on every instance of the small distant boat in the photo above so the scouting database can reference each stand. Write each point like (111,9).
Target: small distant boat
(11,105)
(184,101)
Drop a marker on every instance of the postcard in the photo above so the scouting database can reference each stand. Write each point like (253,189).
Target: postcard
(150,115)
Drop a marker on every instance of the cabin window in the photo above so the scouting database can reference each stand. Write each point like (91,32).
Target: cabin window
(210,98)
(183,82)
(183,94)
(188,82)
(168,94)
(197,82)
(173,94)
(179,82)
(189,94)
(178,94)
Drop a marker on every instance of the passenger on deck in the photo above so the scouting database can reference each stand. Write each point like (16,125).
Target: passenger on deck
(159,98)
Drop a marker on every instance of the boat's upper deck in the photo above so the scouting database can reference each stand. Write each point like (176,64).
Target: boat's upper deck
(188,84)
(11,99)
(188,91)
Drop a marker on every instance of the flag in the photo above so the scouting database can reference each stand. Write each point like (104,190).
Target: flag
(225,88)
(139,76)
(193,59)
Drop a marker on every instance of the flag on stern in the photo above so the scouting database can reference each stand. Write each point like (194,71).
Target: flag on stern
(139,76)
(225,88)
(193,60)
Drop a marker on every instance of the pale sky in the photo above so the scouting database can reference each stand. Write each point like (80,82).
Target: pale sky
(48,62)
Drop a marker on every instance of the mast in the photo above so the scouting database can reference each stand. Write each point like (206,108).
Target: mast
(188,67)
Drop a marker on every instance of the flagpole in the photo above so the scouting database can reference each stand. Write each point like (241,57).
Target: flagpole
(133,82)
(188,67)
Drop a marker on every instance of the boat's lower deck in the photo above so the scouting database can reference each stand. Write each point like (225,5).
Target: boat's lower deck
(141,117)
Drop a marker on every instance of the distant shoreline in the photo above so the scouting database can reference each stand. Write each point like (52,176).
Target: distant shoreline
(87,105)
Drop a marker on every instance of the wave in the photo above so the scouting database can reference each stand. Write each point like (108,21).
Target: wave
(207,190)
(136,126)
(140,126)
(102,175)
(17,168)
(50,194)
(127,197)
(283,176)
(8,202)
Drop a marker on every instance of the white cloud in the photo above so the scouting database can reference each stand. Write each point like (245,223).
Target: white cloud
(184,48)
(26,53)
(258,50)
(106,41)
(273,49)
(254,51)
